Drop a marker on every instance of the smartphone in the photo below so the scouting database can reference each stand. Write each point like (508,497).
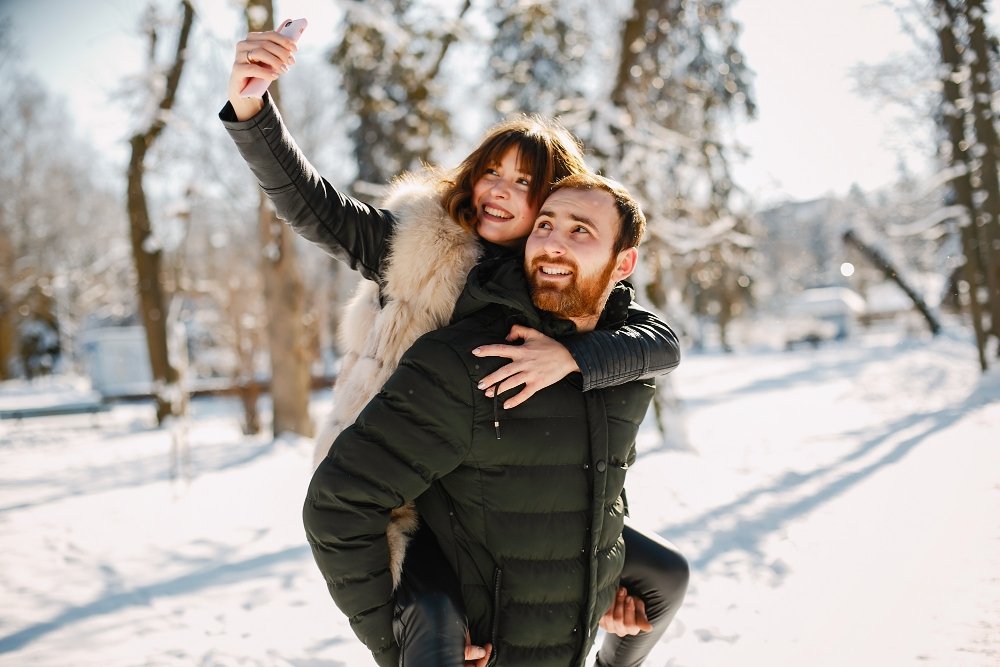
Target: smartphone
(293,30)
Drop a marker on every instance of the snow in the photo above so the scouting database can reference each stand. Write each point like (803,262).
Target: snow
(838,506)
(44,392)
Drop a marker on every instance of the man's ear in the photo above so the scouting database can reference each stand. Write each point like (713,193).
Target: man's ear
(627,260)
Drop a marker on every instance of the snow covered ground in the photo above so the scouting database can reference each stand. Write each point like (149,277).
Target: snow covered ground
(839,506)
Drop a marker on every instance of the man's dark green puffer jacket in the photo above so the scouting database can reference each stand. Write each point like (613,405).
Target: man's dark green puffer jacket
(526,503)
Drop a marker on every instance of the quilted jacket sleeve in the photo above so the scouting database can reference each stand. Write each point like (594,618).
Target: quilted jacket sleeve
(413,432)
(345,228)
(643,347)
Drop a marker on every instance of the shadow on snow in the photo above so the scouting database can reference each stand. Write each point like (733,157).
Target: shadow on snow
(746,534)
(841,366)
(140,472)
(217,575)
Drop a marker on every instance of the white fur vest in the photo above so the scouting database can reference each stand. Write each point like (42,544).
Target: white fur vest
(429,257)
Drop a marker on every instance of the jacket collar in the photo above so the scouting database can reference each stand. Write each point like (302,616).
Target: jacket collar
(616,309)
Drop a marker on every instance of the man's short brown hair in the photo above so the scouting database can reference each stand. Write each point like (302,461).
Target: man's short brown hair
(633,222)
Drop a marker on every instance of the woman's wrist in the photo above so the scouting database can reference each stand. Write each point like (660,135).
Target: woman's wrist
(246,108)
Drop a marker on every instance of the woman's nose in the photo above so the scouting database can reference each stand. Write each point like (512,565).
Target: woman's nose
(501,188)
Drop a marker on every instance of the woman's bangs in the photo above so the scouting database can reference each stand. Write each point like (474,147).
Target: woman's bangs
(535,159)
(493,152)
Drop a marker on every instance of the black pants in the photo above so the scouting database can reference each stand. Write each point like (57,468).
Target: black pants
(430,619)
(657,573)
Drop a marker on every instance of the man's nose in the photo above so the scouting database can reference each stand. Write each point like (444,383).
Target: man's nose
(554,244)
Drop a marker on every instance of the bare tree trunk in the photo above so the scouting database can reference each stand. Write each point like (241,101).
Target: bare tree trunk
(971,271)
(632,33)
(154,302)
(727,313)
(249,391)
(883,264)
(7,327)
(284,294)
(953,121)
(7,334)
(245,343)
(987,175)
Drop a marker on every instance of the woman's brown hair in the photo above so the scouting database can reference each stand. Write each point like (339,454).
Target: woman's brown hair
(546,150)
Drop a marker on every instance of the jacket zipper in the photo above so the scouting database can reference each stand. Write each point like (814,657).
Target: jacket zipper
(494,631)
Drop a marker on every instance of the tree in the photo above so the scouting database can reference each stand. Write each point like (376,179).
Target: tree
(952,123)
(982,62)
(649,112)
(539,55)
(7,254)
(952,79)
(59,268)
(678,70)
(968,123)
(146,251)
(651,105)
(890,271)
(390,57)
(677,75)
(284,294)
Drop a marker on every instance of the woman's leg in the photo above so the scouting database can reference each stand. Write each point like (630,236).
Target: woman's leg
(429,618)
(657,573)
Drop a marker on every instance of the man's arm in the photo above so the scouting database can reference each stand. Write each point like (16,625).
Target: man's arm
(418,428)
(343,227)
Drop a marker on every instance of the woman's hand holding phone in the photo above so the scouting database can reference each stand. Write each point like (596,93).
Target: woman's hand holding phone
(260,59)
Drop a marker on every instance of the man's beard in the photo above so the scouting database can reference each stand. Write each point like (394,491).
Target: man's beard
(584,296)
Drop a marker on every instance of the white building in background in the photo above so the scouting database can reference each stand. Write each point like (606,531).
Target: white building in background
(822,313)
(117,361)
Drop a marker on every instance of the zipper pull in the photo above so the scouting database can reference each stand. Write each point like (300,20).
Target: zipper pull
(496,410)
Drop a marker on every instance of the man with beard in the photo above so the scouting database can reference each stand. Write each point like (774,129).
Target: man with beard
(527,504)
